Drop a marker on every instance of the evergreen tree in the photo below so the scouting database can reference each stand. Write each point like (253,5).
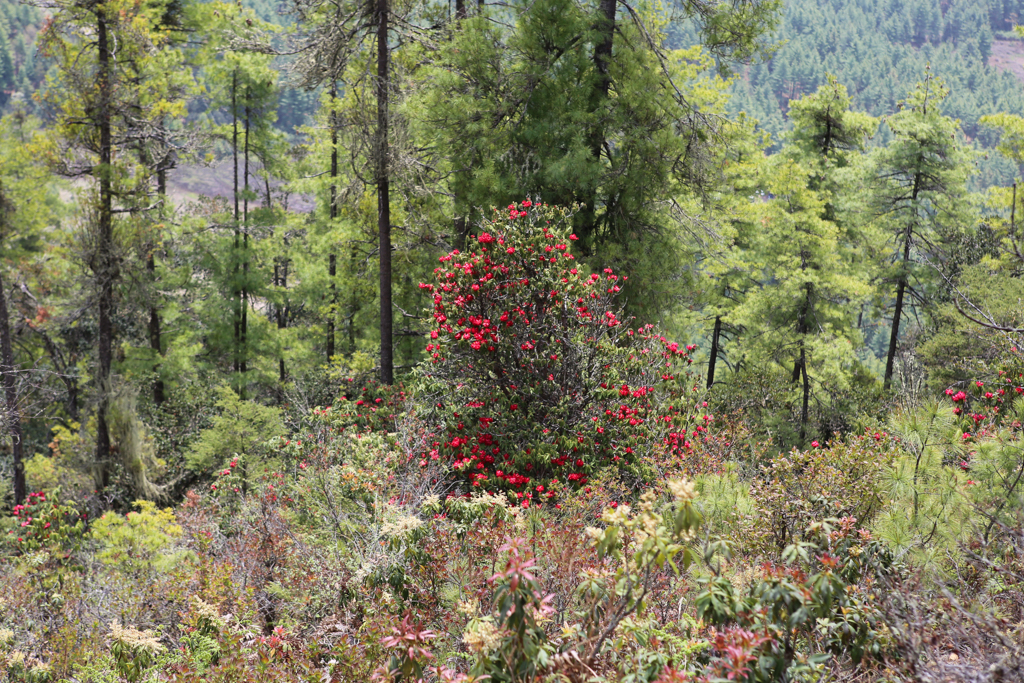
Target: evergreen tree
(26,207)
(336,34)
(583,103)
(918,187)
(106,109)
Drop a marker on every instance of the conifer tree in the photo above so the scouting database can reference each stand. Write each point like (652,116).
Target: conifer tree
(795,270)
(918,187)
(26,207)
(105,107)
(582,102)
(243,88)
(336,34)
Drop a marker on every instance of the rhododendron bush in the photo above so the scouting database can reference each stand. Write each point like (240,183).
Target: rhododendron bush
(536,378)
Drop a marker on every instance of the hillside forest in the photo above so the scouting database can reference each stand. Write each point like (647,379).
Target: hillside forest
(534,341)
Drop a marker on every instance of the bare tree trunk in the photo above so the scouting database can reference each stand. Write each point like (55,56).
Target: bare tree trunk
(800,367)
(605,26)
(332,259)
(154,313)
(282,314)
(715,337)
(236,294)
(104,262)
(8,369)
(804,414)
(387,370)
(244,361)
(352,303)
(461,226)
(901,288)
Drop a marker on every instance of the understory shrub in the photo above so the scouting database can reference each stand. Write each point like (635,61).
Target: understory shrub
(534,379)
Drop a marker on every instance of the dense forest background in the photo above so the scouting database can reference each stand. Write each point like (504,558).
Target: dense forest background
(575,340)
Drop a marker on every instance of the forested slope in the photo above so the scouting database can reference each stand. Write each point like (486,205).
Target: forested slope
(20,68)
(880,48)
(533,341)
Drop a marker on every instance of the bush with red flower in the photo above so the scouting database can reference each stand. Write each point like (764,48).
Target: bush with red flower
(46,523)
(536,380)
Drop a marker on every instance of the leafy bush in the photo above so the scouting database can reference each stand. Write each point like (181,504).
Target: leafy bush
(801,487)
(45,524)
(241,428)
(533,375)
(818,600)
(138,541)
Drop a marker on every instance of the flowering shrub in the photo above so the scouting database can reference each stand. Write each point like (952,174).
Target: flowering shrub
(513,641)
(983,407)
(134,651)
(45,523)
(537,380)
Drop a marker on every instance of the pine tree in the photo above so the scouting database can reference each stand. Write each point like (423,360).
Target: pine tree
(335,35)
(25,209)
(918,186)
(244,91)
(582,103)
(106,111)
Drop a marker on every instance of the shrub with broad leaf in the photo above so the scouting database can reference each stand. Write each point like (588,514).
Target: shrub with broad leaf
(535,379)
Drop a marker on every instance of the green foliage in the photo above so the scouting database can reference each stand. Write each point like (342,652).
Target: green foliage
(242,428)
(322,526)
(927,514)
(135,652)
(960,350)
(818,598)
(634,148)
(139,541)
(844,479)
(538,380)
(510,642)
(879,49)
(46,529)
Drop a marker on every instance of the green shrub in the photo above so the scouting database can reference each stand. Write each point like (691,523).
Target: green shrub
(141,540)
(797,488)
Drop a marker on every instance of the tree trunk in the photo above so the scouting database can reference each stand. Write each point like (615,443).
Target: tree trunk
(807,394)
(154,313)
(282,313)
(605,27)
(104,264)
(387,371)
(332,259)
(901,288)
(353,303)
(332,271)
(236,293)
(460,223)
(800,367)
(890,357)
(7,369)
(801,329)
(244,361)
(715,336)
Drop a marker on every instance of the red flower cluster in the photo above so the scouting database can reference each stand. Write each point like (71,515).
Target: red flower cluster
(542,382)
(44,523)
(983,410)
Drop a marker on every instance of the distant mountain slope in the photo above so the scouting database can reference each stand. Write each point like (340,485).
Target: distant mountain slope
(20,71)
(1008,55)
(880,48)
